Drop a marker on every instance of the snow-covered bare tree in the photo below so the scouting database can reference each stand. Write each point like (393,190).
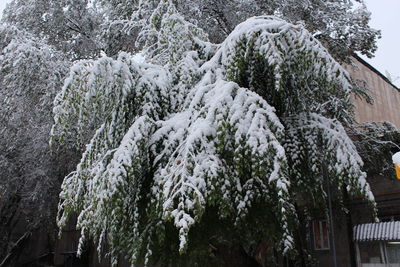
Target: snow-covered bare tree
(376,143)
(72,26)
(30,73)
(198,143)
(342,25)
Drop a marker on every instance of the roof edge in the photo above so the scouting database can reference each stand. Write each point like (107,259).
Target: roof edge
(379,231)
(369,66)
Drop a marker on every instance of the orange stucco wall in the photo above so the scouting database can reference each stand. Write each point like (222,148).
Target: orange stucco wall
(386,106)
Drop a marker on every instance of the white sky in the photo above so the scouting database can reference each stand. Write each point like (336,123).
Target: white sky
(386,17)
(2,5)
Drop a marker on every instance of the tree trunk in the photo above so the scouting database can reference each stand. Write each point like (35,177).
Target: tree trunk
(15,251)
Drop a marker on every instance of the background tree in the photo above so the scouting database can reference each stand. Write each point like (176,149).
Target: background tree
(71,26)
(30,72)
(376,143)
(342,26)
(38,41)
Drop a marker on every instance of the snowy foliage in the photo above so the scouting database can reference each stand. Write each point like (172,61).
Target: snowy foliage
(28,65)
(266,52)
(320,147)
(195,143)
(30,73)
(69,25)
(200,127)
(376,143)
(341,24)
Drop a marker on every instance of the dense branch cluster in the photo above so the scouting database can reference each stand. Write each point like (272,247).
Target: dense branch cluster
(196,128)
(194,123)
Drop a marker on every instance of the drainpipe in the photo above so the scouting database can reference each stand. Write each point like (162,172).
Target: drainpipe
(349,221)
(326,176)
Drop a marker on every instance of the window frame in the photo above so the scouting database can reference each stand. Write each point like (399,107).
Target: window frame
(320,239)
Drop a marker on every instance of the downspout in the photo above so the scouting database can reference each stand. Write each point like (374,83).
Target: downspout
(350,233)
(326,177)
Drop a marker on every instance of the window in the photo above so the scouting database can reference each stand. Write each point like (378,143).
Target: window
(370,252)
(321,236)
(393,252)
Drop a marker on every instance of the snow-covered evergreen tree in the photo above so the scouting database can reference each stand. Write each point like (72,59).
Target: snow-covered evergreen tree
(197,142)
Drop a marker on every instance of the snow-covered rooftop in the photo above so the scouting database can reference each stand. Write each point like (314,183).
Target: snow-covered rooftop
(382,231)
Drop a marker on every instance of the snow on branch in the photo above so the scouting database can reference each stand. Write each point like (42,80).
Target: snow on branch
(202,128)
(286,65)
(315,143)
(224,148)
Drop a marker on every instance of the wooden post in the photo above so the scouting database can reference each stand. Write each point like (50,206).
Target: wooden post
(383,252)
(358,255)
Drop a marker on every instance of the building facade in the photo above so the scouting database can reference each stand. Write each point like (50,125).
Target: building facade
(353,239)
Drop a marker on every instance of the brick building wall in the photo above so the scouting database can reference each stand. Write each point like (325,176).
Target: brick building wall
(386,107)
(386,96)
